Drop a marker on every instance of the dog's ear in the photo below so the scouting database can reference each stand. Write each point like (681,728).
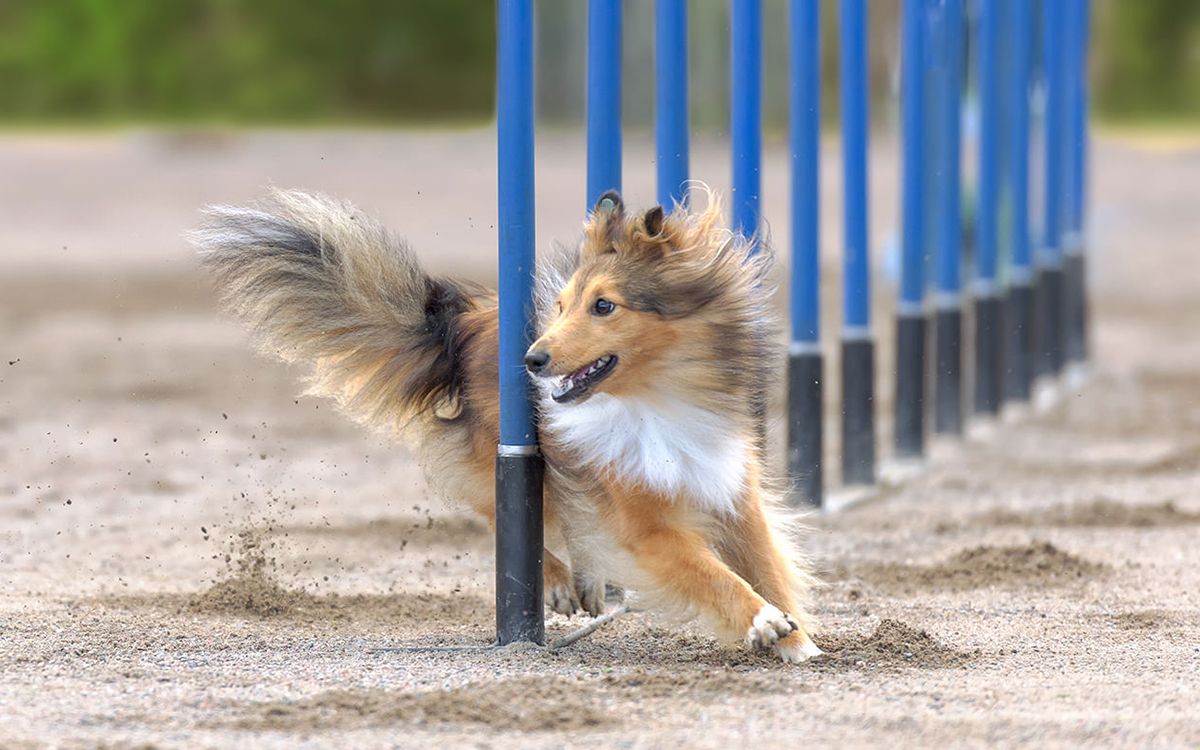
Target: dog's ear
(648,238)
(652,222)
(605,224)
(609,204)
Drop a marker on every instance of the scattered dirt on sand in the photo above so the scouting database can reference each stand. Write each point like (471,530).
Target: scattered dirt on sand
(454,531)
(641,684)
(893,644)
(1103,512)
(251,589)
(263,598)
(1147,619)
(546,704)
(1035,564)
(251,598)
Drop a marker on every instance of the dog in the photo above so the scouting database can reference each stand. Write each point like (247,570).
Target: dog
(655,345)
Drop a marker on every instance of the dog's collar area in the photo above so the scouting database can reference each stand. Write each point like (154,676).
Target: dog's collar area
(574,385)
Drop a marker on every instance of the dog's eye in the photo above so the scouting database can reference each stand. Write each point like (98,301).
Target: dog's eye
(603,307)
(559,307)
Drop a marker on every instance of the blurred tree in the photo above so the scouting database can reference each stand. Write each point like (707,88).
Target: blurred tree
(247,60)
(262,61)
(1148,58)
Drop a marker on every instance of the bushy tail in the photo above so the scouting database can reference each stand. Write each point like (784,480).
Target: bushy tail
(322,284)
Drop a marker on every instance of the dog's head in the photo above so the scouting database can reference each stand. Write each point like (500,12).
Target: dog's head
(634,303)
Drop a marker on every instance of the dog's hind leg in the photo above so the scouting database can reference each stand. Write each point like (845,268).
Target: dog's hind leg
(587,574)
(558,585)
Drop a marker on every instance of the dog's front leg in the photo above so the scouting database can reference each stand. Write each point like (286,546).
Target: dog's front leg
(681,564)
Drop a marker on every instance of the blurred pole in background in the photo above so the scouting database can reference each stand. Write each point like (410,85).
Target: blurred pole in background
(1019,308)
(910,314)
(1050,274)
(948,323)
(671,112)
(519,466)
(603,99)
(989,375)
(805,377)
(1075,262)
(858,348)
(745,129)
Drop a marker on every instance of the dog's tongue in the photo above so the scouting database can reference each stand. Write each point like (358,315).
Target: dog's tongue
(570,381)
(562,388)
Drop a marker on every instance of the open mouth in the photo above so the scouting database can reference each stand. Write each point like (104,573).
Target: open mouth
(574,385)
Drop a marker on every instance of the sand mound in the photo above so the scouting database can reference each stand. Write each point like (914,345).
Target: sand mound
(1102,513)
(1038,563)
(893,644)
(259,596)
(529,704)
(249,587)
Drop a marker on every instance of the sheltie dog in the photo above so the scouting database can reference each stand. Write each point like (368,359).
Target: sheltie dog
(655,346)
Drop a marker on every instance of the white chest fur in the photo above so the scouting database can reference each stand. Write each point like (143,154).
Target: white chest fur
(667,444)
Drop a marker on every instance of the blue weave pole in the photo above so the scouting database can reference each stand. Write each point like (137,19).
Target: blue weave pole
(519,467)
(1075,260)
(858,347)
(948,417)
(746,114)
(909,435)
(989,350)
(603,99)
(1050,274)
(1020,308)
(805,376)
(671,84)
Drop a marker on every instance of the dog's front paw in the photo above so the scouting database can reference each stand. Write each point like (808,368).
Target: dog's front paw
(797,647)
(768,626)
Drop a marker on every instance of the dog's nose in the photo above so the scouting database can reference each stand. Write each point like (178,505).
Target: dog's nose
(536,360)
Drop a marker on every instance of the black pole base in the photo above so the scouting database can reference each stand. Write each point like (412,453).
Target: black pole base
(989,352)
(947,394)
(1019,352)
(805,420)
(1050,321)
(858,411)
(910,386)
(519,545)
(1076,302)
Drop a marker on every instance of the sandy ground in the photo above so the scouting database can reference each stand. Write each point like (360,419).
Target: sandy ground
(192,555)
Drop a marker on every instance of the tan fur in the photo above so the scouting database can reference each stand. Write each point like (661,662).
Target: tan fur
(405,353)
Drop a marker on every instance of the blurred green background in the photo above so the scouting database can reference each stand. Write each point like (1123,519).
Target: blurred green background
(256,62)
